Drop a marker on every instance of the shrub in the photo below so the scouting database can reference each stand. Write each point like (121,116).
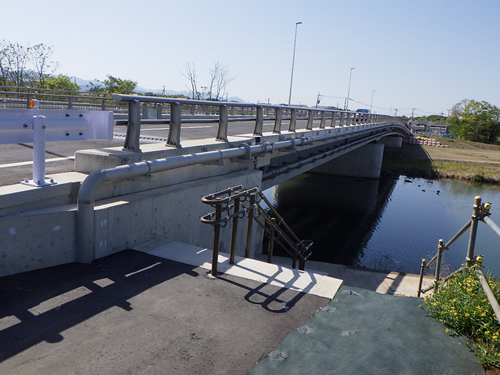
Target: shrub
(461,305)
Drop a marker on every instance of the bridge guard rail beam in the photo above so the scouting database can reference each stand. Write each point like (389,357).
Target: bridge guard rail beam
(225,111)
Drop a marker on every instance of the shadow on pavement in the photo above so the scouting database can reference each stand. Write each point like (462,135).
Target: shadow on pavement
(50,301)
(133,312)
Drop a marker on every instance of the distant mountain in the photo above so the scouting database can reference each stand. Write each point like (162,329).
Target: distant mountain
(85,86)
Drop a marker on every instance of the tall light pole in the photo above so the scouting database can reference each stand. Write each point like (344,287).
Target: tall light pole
(293,61)
(348,91)
(371,104)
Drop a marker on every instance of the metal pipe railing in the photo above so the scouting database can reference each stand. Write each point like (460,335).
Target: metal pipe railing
(230,206)
(480,212)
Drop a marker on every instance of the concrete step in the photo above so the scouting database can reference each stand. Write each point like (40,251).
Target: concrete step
(315,283)
(384,282)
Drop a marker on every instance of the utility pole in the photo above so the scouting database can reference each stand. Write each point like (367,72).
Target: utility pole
(293,61)
(318,100)
(348,92)
(412,112)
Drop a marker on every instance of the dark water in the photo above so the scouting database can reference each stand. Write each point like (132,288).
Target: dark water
(387,224)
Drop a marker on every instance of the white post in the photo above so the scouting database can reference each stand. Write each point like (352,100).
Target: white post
(39,136)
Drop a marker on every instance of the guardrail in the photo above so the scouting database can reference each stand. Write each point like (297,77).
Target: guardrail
(481,212)
(224,112)
(175,111)
(20,97)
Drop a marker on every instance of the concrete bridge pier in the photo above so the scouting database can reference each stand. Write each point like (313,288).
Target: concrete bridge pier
(392,141)
(365,161)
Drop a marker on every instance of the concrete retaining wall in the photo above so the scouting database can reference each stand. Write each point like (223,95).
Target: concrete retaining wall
(47,237)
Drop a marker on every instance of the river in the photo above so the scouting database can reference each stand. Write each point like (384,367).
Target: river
(388,224)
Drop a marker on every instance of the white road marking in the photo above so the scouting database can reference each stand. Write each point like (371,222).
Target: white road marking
(19,164)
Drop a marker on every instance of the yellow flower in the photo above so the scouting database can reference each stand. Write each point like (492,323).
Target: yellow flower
(487,332)
(495,337)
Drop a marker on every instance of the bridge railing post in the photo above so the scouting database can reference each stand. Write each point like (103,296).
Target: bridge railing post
(334,119)
(259,120)
(277,120)
(293,120)
(223,124)
(310,119)
(134,126)
(174,134)
(323,118)
(342,118)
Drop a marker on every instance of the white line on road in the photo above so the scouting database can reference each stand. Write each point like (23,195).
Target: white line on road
(30,162)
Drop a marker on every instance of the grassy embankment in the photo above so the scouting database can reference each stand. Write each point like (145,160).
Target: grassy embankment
(461,160)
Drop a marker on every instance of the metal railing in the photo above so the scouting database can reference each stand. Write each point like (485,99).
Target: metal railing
(224,112)
(481,212)
(134,110)
(236,203)
(19,97)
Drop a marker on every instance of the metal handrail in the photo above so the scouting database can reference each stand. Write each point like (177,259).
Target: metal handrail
(481,212)
(232,203)
(57,98)
(335,118)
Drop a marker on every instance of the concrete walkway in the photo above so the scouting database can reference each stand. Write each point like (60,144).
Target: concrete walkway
(140,312)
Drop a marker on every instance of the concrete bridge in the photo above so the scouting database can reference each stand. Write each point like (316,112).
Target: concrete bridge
(121,197)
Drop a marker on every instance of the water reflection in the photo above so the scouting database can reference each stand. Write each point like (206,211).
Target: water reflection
(387,224)
(337,213)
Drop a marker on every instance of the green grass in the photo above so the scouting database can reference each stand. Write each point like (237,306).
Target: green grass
(461,305)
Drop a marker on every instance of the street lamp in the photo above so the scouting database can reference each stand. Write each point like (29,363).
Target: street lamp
(371,104)
(293,61)
(348,91)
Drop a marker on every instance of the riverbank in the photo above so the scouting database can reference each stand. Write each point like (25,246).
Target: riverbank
(463,160)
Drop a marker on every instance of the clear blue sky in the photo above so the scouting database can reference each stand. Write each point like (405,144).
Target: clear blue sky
(426,54)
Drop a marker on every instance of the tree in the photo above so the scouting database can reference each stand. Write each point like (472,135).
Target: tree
(475,121)
(39,56)
(115,85)
(61,82)
(222,79)
(25,66)
(190,74)
(219,79)
(13,64)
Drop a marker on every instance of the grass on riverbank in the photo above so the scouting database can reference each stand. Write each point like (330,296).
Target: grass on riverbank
(463,160)
(461,305)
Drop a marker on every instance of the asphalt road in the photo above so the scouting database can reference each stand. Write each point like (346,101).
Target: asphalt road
(16,159)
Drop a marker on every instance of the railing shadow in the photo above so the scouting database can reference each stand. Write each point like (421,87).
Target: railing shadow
(43,304)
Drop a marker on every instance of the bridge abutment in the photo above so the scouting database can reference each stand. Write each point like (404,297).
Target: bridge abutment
(364,162)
